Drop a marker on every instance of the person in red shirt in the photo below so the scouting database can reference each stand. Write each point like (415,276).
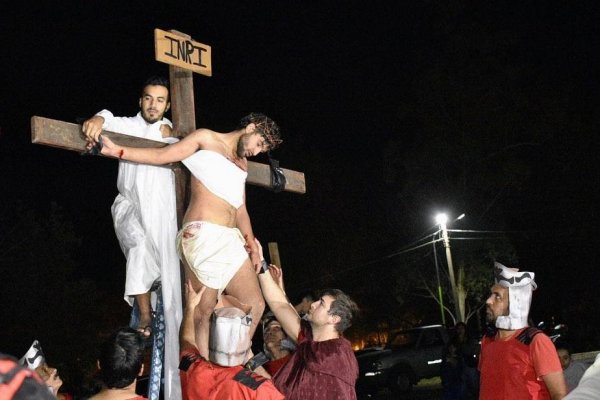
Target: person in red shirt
(277,346)
(323,365)
(517,362)
(222,377)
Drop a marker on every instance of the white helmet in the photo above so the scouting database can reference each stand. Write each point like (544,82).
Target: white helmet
(230,340)
(34,356)
(520,287)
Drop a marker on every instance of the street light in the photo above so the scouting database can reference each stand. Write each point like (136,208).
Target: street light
(439,285)
(441,219)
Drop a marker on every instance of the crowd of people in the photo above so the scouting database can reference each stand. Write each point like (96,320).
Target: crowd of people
(228,285)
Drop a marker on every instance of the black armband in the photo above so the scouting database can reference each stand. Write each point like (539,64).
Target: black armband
(264,267)
(256,361)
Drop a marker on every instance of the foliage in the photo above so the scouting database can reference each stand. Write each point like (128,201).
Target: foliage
(473,263)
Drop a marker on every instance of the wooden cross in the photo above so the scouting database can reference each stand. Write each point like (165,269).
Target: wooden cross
(184,56)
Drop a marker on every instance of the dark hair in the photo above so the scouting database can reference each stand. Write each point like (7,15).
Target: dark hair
(562,345)
(121,358)
(343,306)
(307,294)
(265,126)
(157,81)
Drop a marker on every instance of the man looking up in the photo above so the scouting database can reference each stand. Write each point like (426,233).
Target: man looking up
(277,346)
(517,362)
(217,234)
(323,365)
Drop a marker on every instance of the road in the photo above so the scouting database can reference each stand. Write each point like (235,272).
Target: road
(429,389)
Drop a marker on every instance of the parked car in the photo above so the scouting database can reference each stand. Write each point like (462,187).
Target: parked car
(410,356)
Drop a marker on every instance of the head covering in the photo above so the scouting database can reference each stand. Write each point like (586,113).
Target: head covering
(229,340)
(520,287)
(34,356)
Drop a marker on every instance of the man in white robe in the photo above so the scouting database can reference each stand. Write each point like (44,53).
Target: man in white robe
(145,221)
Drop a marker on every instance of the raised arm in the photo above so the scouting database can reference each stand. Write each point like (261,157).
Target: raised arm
(278,302)
(164,155)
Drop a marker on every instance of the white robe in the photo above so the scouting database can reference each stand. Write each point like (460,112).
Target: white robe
(145,221)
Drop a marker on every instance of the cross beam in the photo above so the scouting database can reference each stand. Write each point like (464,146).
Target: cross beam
(68,136)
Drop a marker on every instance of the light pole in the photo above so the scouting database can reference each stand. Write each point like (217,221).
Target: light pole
(441,220)
(437,273)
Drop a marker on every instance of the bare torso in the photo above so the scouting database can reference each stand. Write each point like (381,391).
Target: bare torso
(204,205)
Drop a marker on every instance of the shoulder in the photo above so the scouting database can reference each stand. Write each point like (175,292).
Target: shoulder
(166,121)
(204,134)
(538,338)
(579,365)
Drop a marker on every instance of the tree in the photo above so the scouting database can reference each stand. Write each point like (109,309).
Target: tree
(474,260)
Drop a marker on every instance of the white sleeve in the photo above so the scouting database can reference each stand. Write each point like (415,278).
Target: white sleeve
(108,117)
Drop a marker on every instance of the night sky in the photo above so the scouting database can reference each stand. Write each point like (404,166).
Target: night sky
(380,103)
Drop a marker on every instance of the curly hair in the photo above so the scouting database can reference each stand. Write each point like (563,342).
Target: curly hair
(265,126)
(343,306)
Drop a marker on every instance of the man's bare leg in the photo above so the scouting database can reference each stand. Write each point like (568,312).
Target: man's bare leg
(145,309)
(202,313)
(244,286)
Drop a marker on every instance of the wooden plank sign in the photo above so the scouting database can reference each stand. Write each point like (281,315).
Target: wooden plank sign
(181,51)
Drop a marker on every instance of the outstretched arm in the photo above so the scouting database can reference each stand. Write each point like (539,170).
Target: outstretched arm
(164,155)
(277,274)
(187,331)
(92,127)
(278,303)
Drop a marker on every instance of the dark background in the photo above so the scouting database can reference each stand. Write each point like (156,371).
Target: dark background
(394,111)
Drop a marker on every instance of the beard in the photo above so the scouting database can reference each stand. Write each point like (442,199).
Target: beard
(241,147)
(489,316)
(150,119)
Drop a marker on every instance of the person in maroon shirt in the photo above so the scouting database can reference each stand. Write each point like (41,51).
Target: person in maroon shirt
(323,365)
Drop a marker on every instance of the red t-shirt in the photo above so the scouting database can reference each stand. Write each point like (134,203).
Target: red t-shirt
(272,366)
(203,380)
(318,370)
(512,370)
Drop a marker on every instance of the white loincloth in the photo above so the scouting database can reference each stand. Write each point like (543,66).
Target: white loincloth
(213,252)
